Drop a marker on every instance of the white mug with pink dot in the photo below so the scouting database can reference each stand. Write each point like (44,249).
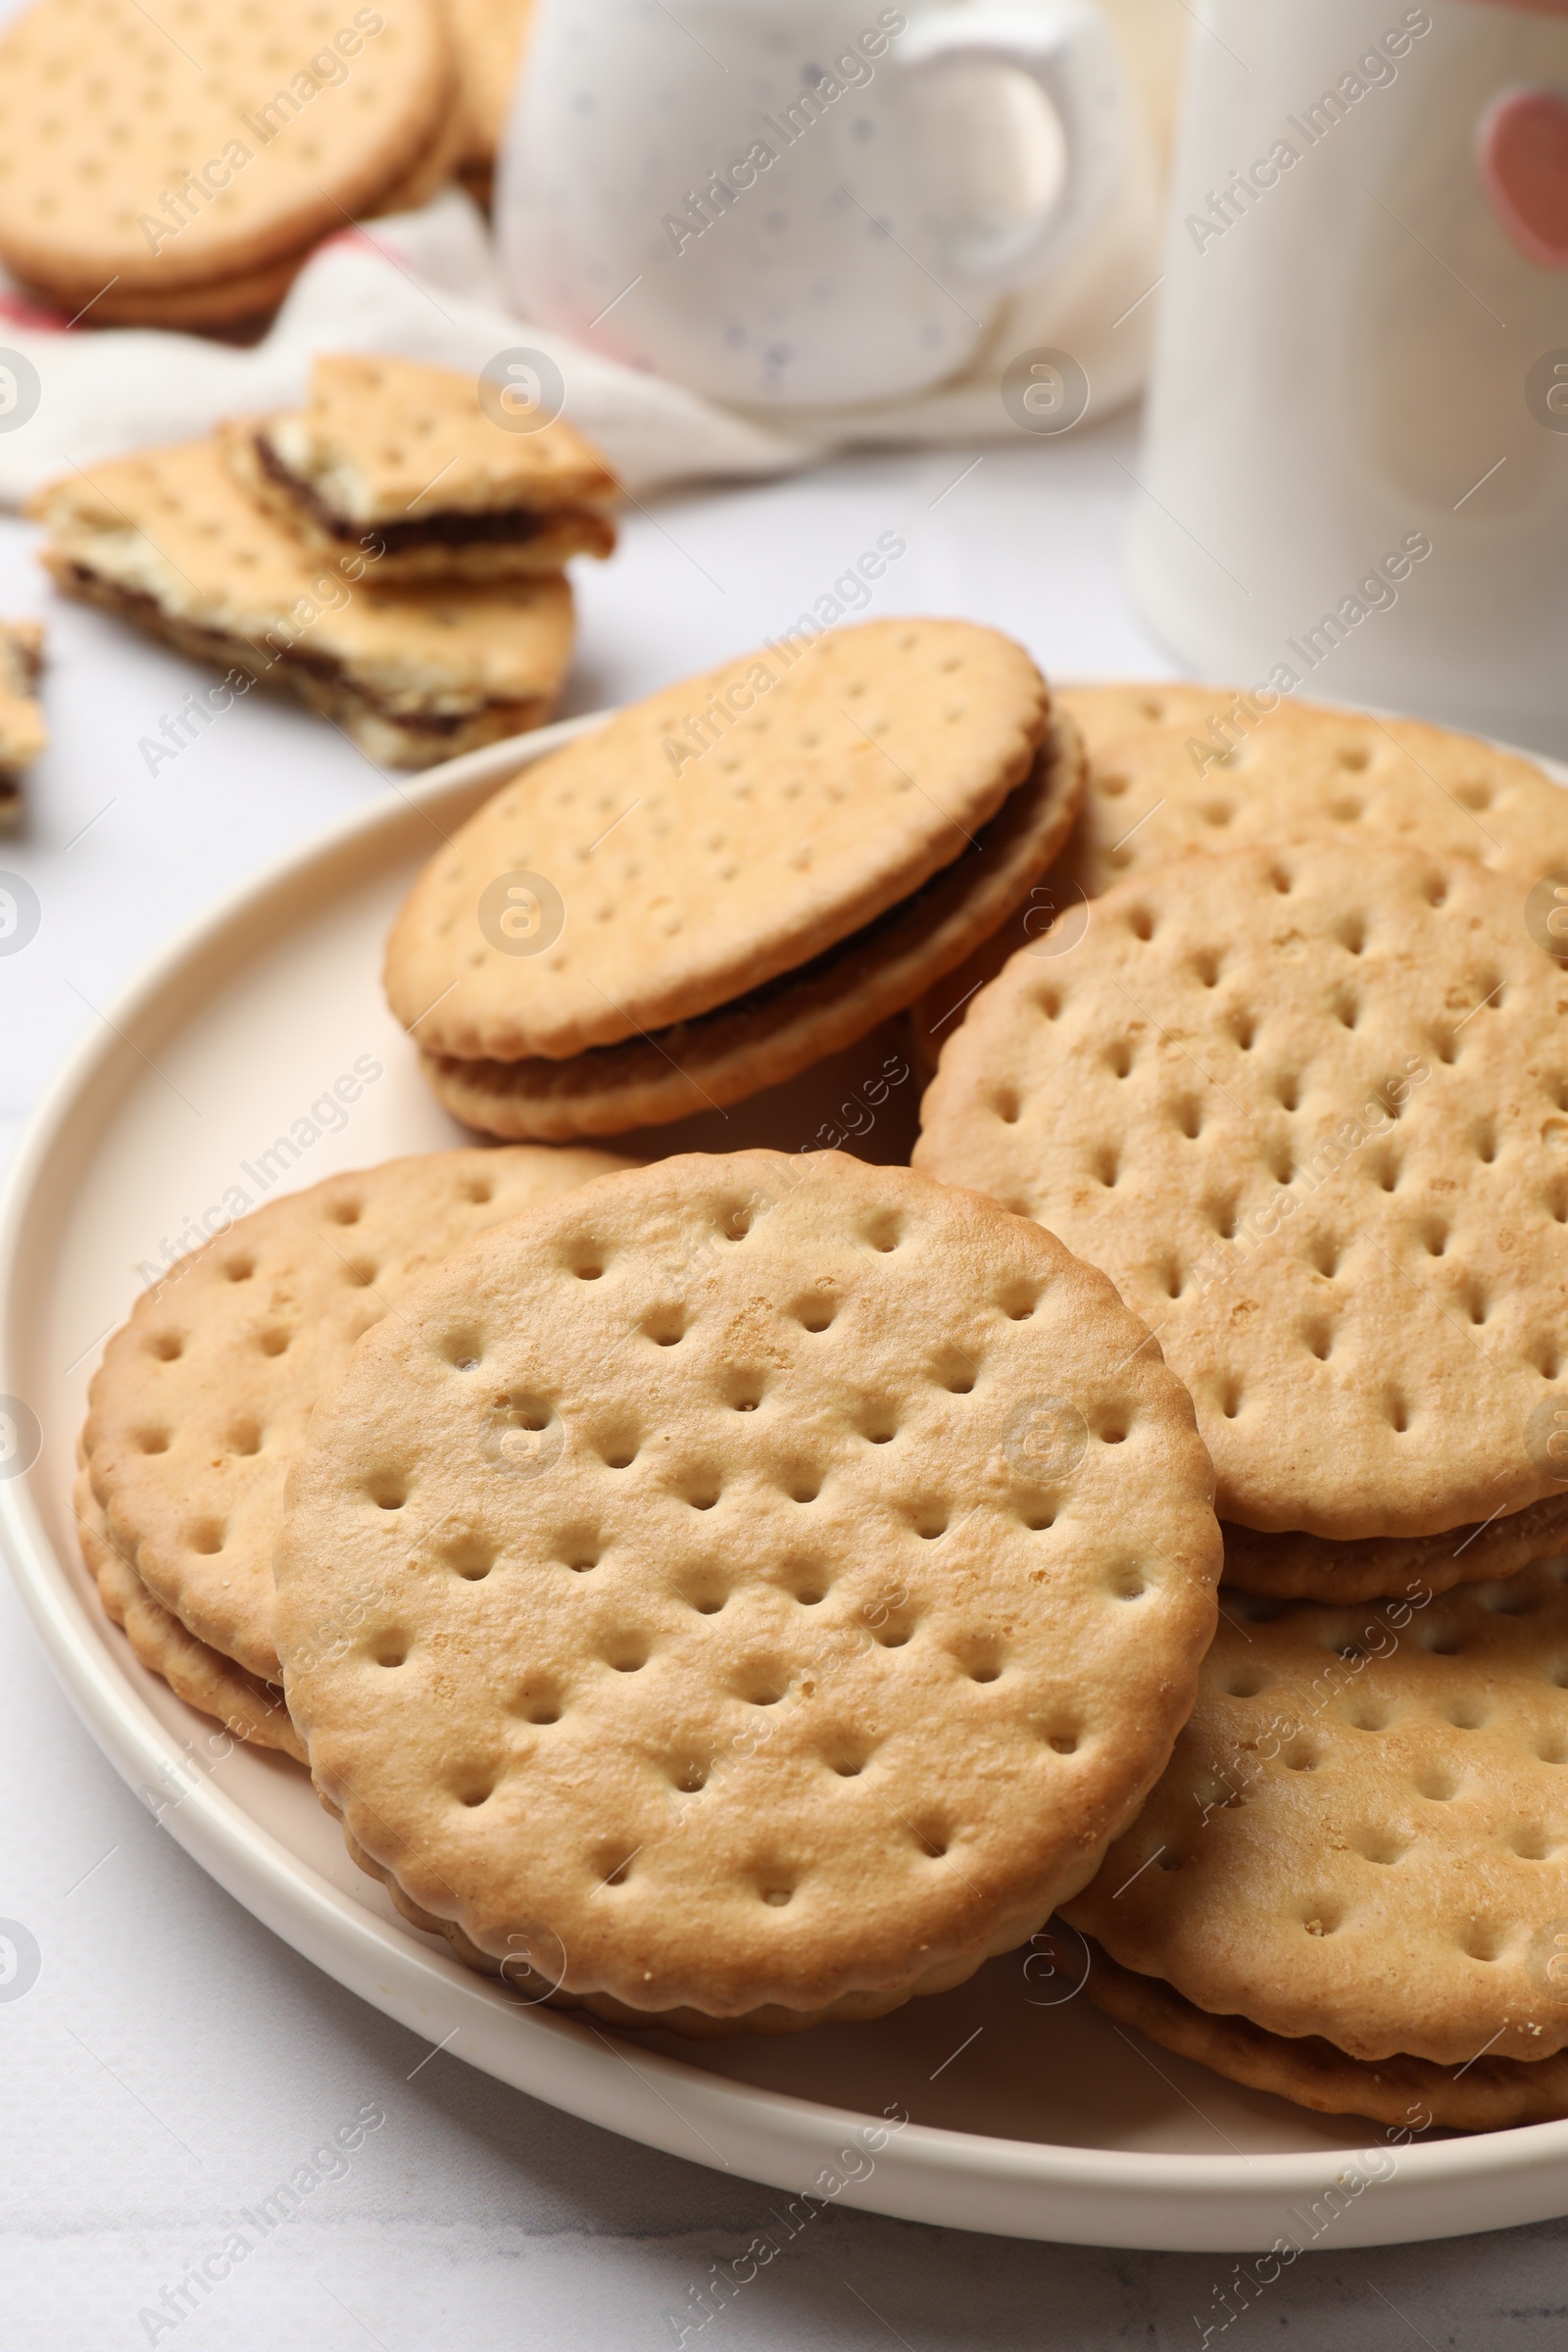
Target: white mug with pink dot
(1356,471)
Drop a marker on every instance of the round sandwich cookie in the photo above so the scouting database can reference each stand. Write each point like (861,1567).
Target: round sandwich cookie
(753,1589)
(204,1394)
(145,158)
(1351,1886)
(1310,1111)
(790,1023)
(1174,769)
(712,838)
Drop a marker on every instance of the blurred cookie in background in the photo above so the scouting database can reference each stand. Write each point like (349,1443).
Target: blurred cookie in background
(22,733)
(181,177)
(488,36)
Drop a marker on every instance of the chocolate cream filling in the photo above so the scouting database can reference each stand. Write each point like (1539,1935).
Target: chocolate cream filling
(326,666)
(444,526)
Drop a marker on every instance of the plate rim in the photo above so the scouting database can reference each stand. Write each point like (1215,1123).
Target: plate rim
(1160,2197)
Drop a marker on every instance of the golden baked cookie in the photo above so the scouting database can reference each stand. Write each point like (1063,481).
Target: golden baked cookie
(1158,794)
(787,1025)
(753,1585)
(488,36)
(1360,1835)
(406,451)
(144,156)
(1310,1111)
(251,1709)
(1110,711)
(204,1394)
(1165,778)
(242,301)
(168,539)
(716,835)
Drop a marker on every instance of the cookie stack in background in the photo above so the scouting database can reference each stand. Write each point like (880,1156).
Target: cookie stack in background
(181,178)
(388,552)
(1304,1101)
(203,1396)
(733,879)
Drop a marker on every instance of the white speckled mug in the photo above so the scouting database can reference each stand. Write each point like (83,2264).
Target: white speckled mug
(803,202)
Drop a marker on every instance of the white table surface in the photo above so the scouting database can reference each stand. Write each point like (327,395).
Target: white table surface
(173,2062)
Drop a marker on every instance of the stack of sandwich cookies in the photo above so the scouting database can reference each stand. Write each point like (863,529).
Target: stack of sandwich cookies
(402,458)
(755,1589)
(171,540)
(186,182)
(678,909)
(1348,1887)
(788,1024)
(204,1396)
(24,737)
(1305,1103)
(1306,1109)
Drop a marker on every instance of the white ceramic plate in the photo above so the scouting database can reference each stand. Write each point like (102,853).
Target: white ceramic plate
(1030,2114)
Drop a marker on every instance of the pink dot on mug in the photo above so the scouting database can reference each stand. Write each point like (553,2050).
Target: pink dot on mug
(1523,168)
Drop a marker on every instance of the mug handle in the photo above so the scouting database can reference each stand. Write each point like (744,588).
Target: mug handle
(1066,47)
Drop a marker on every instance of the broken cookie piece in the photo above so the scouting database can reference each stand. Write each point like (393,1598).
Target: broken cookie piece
(169,538)
(22,733)
(407,452)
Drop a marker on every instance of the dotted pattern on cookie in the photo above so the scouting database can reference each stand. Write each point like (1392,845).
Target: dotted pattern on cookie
(385,439)
(204,1394)
(1162,789)
(1109,713)
(772,1579)
(1165,778)
(1310,1111)
(1363,1830)
(835,781)
(224,137)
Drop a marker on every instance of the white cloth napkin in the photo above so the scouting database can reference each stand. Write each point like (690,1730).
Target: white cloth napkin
(424,285)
